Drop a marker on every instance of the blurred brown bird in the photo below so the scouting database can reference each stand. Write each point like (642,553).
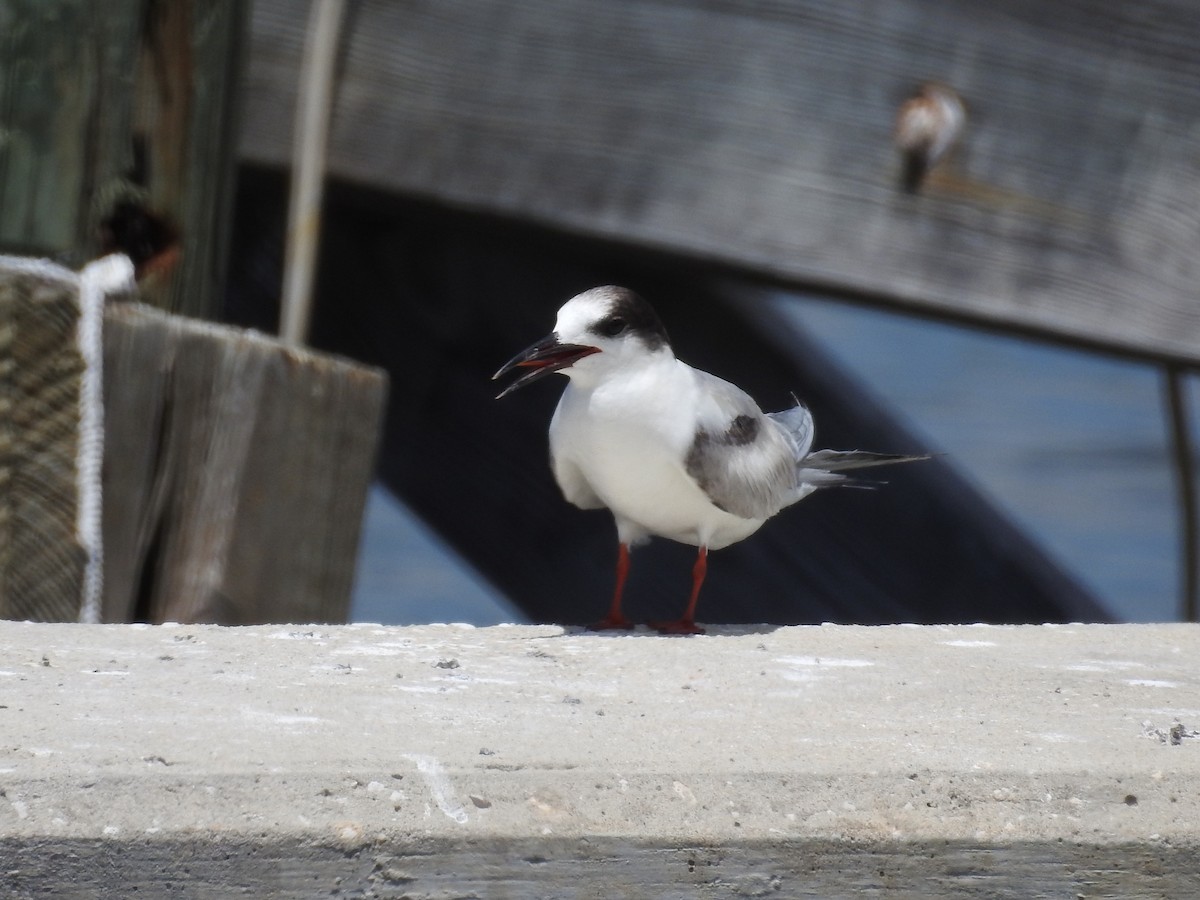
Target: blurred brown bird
(927,126)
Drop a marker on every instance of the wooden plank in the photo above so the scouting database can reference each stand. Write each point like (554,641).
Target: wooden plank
(185,105)
(42,557)
(65,114)
(112,110)
(237,472)
(758,135)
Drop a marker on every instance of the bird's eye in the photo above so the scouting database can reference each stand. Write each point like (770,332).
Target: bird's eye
(612,326)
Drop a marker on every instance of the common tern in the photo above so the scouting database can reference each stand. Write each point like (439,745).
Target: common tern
(670,450)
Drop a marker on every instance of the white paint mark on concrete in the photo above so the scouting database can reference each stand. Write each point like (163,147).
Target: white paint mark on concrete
(1057,738)
(371,650)
(967,643)
(295,635)
(1151,682)
(1104,665)
(280,719)
(21,808)
(829,662)
(798,676)
(440,787)
(685,793)
(297,720)
(238,677)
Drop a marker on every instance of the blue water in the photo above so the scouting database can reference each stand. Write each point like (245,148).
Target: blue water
(1073,446)
(407,575)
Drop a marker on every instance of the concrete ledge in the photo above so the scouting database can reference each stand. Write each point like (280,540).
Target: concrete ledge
(295,761)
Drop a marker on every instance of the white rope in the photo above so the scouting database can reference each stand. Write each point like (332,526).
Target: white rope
(110,275)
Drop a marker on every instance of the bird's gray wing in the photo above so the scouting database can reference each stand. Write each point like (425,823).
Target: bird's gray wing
(743,460)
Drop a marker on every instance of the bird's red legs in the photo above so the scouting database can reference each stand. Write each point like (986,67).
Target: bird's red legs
(687,624)
(616,618)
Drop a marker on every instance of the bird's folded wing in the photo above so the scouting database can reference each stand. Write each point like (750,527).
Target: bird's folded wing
(742,460)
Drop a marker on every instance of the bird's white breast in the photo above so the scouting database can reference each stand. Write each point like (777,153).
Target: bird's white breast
(628,438)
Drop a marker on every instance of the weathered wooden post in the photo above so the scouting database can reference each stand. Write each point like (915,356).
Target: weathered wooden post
(236,473)
(42,554)
(235,468)
(116,133)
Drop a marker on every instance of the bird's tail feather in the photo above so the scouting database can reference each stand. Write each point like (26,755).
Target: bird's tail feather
(844,460)
(827,468)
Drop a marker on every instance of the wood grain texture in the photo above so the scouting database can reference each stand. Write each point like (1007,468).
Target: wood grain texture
(41,557)
(599,867)
(236,473)
(758,135)
(65,109)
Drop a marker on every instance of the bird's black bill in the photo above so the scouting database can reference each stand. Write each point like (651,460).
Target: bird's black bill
(544,357)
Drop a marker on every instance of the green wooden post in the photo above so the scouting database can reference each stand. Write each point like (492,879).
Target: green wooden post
(118,106)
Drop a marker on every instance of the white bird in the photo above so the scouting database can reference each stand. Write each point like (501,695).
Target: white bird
(668,449)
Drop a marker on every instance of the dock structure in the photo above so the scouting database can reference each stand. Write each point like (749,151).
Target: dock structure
(156,466)
(729,147)
(209,473)
(762,137)
(538,761)
(753,145)
(237,471)
(119,126)
(489,159)
(688,148)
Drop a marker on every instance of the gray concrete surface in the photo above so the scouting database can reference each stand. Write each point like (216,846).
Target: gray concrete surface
(533,761)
